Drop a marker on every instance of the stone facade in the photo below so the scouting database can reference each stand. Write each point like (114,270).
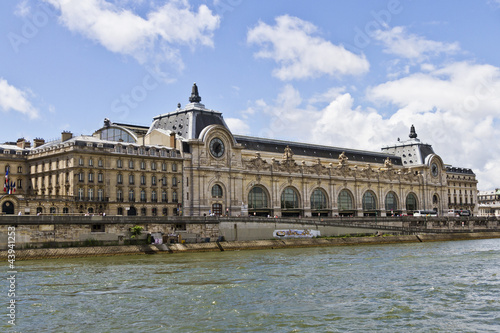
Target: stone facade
(188,162)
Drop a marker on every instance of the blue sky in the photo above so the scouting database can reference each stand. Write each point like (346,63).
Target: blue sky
(351,74)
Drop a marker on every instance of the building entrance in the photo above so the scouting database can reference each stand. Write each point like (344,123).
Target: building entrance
(8,207)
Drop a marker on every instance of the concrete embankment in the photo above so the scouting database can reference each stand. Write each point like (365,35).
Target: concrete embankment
(239,245)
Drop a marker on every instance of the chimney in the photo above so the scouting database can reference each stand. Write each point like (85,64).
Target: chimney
(172,140)
(21,143)
(66,135)
(38,142)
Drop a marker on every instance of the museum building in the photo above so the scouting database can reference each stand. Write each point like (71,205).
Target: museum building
(188,162)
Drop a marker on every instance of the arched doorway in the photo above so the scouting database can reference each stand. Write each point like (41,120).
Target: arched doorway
(132,211)
(8,207)
(258,204)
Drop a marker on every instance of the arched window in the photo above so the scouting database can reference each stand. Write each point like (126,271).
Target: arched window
(435,199)
(39,210)
(65,210)
(216,191)
(391,201)
(52,210)
(345,201)
(411,202)
(318,200)
(289,199)
(116,134)
(369,201)
(91,210)
(257,198)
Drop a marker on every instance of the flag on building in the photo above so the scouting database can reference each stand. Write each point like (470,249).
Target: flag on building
(9,187)
(6,183)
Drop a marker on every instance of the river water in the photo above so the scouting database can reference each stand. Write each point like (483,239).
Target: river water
(417,287)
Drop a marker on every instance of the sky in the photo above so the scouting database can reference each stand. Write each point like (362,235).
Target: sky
(353,74)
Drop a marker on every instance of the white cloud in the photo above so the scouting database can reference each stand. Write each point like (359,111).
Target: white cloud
(292,45)
(455,108)
(399,42)
(153,38)
(12,98)
(238,126)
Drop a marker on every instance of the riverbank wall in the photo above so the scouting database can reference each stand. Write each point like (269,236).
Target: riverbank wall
(27,254)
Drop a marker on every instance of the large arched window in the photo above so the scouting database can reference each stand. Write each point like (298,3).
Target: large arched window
(289,199)
(369,201)
(257,198)
(391,201)
(217,191)
(345,201)
(411,202)
(318,199)
(116,134)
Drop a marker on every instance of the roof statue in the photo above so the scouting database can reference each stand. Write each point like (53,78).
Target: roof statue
(342,159)
(388,163)
(195,97)
(288,154)
(413,134)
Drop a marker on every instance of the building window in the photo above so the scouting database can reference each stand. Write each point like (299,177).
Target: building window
(19,169)
(119,179)
(435,199)
(130,164)
(318,200)
(100,194)
(257,198)
(80,194)
(369,201)
(153,165)
(391,202)
(163,166)
(174,196)
(119,196)
(65,210)
(153,196)
(91,162)
(154,211)
(19,184)
(119,164)
(143,165)
(164,197)
(119,211)
(174,181)
(143,196)
(81,176)
(143,180)
(80,161)
(99,163)
(164,181)
(153,180)
(91,177)
(143,211)
(174,167)
(216,191)
(91,194)
(345,201)
(164,212)
(131,179)
(100,177)
(131,196)
(289,199)
(53,210)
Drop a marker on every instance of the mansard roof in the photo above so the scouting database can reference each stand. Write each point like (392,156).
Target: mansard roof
(311,150)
